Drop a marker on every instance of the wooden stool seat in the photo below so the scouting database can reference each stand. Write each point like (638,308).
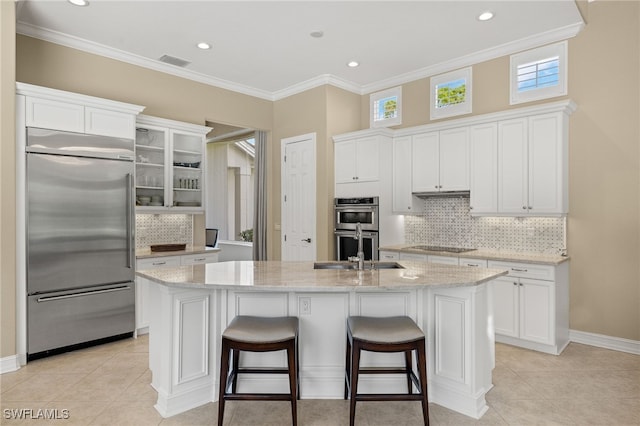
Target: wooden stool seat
(393,334)
(258,334)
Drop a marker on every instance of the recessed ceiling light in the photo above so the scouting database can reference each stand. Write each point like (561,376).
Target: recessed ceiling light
(79,2)
(316,34)
(353,64)
(485,16)
(204,46)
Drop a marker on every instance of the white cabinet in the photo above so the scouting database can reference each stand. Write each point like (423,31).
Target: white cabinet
(72,112)
(413,256)
(142,284)
(402,153)
(386,256)
(170,165)
(440,161)
(483,181)
(530,306)
(445,260)
(357,160)
(532,165)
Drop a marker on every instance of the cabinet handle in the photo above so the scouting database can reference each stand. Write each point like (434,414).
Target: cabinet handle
(471,264)
(159,263)
(202,259)
(519,270)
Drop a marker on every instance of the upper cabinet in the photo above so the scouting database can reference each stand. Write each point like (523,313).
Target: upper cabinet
(532,165)
(59,110)
(170,165)
(483,180)
(440,161)
(357,160)
(402,175)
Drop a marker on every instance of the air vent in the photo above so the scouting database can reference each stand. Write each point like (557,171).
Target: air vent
(174,61)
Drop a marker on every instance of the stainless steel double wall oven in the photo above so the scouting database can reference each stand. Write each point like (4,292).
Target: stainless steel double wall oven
(348,213)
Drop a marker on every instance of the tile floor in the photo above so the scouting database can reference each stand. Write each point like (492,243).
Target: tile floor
(109,385)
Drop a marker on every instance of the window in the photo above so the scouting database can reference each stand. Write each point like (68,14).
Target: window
(386,107)
(539,73)
(451,94)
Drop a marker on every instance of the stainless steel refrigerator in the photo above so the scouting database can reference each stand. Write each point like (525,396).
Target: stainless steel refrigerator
(80,239)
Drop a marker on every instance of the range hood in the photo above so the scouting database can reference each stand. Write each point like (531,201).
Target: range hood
(442,194)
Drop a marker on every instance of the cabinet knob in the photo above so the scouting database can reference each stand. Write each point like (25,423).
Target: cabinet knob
(515,283)
(524,207)
(470,207)
(408,207)
(530,207)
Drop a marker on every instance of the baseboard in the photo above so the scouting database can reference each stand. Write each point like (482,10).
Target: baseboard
(9,364)
(606,342)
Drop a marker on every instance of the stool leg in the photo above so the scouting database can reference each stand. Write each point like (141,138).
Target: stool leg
(234,368)
(408,361)
(293,386)
(355,369)
(224,371)
(422,370)
(347,369)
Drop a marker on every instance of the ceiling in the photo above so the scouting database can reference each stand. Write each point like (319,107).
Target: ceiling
(264,48)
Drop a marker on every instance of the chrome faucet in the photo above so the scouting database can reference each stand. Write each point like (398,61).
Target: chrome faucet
(360,254)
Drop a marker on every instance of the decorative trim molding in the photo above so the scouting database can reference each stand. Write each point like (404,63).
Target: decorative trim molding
(9,364)
(607,342)
(325,79)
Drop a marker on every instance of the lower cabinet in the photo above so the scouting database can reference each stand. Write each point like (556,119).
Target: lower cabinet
(142,284)
(531,306)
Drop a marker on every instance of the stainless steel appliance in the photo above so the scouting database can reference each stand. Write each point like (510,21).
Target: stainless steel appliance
(80,239)
(348,213)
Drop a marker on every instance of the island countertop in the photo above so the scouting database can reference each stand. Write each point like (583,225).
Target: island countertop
(301,276)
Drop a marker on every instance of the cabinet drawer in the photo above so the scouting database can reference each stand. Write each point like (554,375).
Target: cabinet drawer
(196,259)
(446,260)
(389,255)
(157,262)
(55,115)
(109,123)
(478,263)
(526,270)
(413,256)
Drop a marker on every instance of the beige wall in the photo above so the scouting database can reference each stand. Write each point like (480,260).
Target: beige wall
(604,220)
(7,180)
(604,223)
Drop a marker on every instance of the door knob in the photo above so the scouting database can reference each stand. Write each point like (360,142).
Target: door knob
(306,239)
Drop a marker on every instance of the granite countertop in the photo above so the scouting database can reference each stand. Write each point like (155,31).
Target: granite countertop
(506,256)
(301,276)
(145,253)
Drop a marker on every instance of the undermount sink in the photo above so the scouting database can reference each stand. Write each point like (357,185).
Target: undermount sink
(353,265)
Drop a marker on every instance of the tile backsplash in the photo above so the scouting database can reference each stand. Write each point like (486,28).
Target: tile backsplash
(447,222)
(163,229)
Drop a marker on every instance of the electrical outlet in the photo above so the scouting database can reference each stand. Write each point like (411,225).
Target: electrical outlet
(305,306)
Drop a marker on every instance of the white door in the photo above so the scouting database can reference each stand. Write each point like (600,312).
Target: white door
(483,147)
(512,166)
(506,304)
(454,160)
(299,197)
(402,198)
(425,166)
(546,159)
(537,308)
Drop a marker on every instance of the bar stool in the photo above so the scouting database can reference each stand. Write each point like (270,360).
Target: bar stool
(393,334)
(258,334)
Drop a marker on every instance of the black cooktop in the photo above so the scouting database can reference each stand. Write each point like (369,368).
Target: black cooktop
(438,248)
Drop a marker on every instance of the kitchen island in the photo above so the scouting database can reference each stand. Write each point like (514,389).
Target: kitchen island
(190,306)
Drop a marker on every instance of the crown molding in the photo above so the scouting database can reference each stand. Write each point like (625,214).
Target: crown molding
(325,79)
(120,55)
(510,48)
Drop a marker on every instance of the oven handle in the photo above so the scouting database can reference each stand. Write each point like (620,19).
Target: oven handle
(349,233)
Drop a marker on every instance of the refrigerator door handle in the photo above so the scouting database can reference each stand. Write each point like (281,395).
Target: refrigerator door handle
(85,293)
(129,205)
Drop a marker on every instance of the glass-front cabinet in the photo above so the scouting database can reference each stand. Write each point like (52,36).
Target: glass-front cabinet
(170,165)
